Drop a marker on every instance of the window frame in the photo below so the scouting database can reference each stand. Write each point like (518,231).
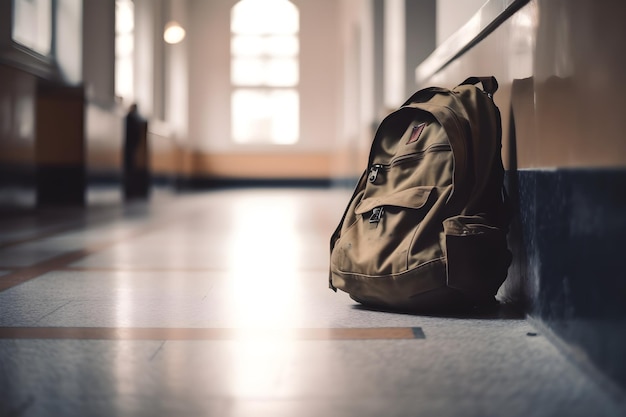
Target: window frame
(21,56)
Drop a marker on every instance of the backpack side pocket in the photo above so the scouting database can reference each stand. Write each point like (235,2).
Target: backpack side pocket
(477,256)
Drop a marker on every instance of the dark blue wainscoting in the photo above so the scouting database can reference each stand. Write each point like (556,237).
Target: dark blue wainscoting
(568,236)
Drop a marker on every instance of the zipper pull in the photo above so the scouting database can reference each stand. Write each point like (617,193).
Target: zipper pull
(374,172)
(377,214)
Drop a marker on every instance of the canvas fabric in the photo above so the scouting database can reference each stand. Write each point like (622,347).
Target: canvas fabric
(427,223)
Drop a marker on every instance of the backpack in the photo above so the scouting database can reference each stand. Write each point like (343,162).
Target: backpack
(426,226)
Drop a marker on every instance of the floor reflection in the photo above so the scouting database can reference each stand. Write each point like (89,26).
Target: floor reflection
(264,258)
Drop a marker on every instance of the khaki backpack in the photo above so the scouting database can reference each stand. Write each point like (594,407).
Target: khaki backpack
(426,226)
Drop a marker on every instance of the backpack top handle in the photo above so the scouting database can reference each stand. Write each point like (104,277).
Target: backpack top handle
(490,84)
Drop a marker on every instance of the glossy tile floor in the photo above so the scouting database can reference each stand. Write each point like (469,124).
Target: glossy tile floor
(216,304)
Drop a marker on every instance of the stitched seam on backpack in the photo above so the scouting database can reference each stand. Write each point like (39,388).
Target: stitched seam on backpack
(358,274)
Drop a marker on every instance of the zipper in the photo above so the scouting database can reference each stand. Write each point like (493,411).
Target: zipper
(439,147)
(377,215)
(376,168)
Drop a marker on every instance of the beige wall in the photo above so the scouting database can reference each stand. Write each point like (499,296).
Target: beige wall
(453,14)
(18,92)
(562,86)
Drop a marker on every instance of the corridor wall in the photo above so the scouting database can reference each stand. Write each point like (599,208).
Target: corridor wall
(17,137)
(41,106)
(561,96)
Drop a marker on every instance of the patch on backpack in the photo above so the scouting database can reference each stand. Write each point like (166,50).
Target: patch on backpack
(417,131)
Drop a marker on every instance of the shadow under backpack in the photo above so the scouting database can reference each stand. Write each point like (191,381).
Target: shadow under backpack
(426,226)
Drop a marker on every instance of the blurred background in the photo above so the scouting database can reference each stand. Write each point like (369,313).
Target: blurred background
(272,90)
(278,92)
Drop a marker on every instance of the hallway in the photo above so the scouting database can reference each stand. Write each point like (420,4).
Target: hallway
(216,304)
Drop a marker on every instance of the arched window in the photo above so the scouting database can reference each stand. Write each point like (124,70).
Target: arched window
(264,72)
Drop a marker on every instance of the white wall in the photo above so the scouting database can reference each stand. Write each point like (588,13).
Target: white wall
(452,14)
(98,50)
(208,41)
(177,75)
(69,40)
(320,70)
(394,53)
(145,65)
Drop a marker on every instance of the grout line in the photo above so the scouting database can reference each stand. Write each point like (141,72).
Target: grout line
(55,229)
(156,352)
(59,262)
(165,334)
(52,312)
(37,236)
(26,274)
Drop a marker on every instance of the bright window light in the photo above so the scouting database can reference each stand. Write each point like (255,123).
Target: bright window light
(124,49)
(258,45)
(259,17)
(261,114)
(281,72)
(265,72)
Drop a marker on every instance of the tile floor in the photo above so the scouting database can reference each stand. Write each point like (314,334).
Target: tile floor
(216,304)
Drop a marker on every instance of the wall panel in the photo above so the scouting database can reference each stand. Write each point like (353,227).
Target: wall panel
(17,137)
(562,96)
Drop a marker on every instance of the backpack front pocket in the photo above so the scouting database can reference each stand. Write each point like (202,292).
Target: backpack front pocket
(379,241)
